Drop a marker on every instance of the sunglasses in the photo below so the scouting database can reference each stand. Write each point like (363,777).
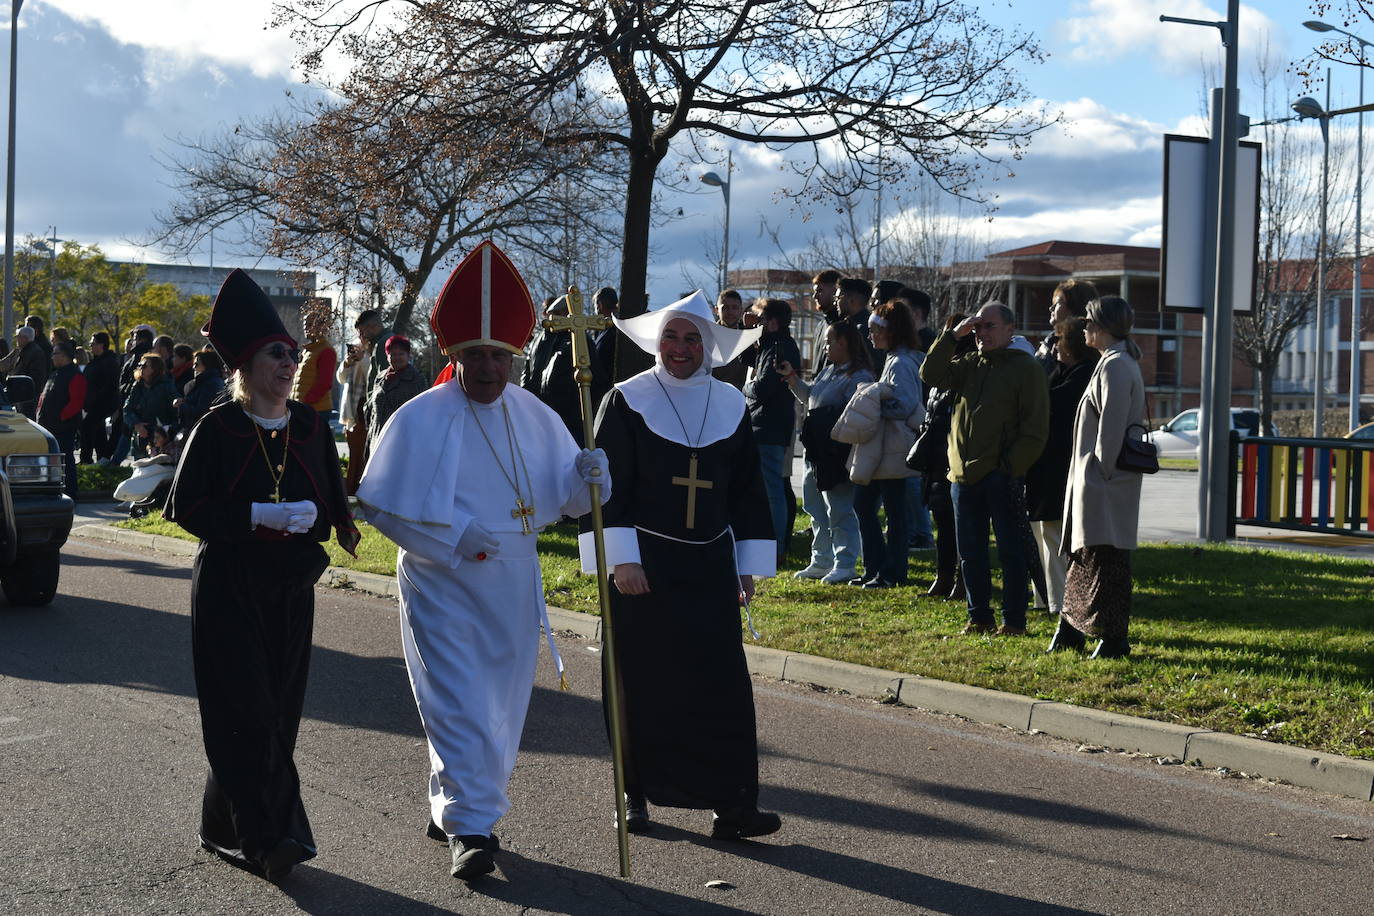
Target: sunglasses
(281,351)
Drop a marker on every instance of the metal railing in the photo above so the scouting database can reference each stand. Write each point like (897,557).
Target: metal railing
(1317,485)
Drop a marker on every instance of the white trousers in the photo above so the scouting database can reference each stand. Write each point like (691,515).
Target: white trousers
(471,641)
(1047,537)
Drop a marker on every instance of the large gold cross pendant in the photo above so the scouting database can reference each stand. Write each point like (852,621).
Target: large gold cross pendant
(522,512)
(692,483)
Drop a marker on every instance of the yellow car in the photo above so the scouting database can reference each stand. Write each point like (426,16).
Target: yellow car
(35,515)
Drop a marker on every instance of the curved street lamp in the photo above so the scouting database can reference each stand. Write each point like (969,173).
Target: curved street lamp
(1357,281)
(1309,108)
(715,181)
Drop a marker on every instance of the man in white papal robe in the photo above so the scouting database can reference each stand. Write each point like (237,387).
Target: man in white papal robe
(463,478)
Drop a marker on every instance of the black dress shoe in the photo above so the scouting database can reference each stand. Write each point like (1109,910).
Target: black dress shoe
(637,814)
(1112,648)
(857,580)
(879,582)
(472,857)
(741,823)
(1066,637)
(436,833)
(277,864)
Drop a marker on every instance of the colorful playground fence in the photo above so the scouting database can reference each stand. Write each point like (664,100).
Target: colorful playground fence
(1321,485)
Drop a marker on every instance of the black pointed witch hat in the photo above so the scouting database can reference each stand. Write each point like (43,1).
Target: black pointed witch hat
(243,320)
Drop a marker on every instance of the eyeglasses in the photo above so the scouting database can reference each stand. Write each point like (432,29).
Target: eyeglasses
(281,351)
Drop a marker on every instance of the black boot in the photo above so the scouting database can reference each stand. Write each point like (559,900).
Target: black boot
(637,814)
(1112,648)
(1066,637)
(739,823)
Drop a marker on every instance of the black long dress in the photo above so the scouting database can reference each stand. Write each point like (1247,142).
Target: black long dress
(252,614)
(689,703)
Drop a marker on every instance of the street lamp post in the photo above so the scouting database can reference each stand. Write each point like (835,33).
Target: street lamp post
(8,327)
(1308,107)
(1357,281)
(51,243)
(715,181)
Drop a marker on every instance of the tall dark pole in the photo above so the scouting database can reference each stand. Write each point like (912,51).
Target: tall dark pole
(1319,386)
(8,327)
(1219,421)
(1215,427)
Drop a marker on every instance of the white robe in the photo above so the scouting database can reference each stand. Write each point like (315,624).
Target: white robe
(469,628)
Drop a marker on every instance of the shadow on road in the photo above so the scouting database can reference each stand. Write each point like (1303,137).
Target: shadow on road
(324,894)
(909,887)
(547,888)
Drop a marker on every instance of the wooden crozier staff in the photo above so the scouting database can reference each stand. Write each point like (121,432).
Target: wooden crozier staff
(579,324)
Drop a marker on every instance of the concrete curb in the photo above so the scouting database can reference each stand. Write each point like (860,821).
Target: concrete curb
(1204,747)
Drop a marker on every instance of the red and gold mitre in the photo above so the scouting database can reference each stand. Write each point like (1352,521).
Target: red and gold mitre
(484,303)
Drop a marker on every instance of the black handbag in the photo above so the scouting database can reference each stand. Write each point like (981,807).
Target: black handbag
(928,452)
(1139,456)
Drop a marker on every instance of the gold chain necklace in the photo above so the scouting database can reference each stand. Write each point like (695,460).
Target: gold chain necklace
(523,510)
(277,471)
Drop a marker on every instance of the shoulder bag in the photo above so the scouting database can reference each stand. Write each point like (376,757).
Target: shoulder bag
(1138,456)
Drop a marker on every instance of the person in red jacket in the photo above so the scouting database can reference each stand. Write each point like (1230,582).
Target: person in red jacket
(59,407)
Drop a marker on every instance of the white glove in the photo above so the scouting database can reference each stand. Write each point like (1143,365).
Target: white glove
(477,542)
(293,518)
(593,466)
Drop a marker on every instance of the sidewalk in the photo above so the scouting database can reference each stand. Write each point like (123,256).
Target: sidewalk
(1169,742)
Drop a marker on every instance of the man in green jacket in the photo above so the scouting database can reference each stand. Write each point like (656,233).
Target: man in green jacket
(1000,424)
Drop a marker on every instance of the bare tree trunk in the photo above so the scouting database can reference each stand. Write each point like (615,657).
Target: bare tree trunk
(634,265)
(1266,374)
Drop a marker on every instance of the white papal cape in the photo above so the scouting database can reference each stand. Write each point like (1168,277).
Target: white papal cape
(469,628)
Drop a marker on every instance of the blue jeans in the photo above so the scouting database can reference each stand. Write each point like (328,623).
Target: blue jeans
(975,505)
(919,512)
(772,460)
(883,557)
(834,527)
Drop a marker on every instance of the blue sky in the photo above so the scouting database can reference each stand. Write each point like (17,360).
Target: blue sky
(105,86)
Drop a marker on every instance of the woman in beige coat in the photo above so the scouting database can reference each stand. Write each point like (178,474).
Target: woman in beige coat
(1102,501)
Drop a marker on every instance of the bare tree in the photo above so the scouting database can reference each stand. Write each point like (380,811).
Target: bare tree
(928,82)
(1289,212)
(359,190)
(919,246)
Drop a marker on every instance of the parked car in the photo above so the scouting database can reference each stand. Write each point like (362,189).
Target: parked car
(1179,437)
(35,515)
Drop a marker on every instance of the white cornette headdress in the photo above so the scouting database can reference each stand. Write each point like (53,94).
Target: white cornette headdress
(721,344)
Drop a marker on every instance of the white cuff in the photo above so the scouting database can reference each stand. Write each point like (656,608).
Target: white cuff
(622,546)
(757,558)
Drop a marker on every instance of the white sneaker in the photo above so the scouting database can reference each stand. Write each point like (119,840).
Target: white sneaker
(838,576)
(811,572)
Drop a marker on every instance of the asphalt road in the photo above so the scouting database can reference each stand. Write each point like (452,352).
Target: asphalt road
(887,810)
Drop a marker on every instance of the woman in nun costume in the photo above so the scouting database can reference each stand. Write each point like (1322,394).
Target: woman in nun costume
(259,484)
(687,531)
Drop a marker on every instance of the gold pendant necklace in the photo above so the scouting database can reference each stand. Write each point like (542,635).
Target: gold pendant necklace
(277,471)
(523,510)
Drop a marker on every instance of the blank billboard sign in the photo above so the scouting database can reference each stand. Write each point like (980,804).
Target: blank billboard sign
(1190,214)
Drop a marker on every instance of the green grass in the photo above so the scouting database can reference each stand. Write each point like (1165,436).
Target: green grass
(1275,644)
(1178,464)
(376,554)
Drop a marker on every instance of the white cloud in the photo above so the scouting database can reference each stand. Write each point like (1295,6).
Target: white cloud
(1106,30)
(180,34)
(1121,222)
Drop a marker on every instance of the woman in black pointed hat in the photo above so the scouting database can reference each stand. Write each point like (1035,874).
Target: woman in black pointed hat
(259,484)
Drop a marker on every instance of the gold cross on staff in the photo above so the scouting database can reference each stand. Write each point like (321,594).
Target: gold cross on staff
(692,483)
(579,324)
(522,512)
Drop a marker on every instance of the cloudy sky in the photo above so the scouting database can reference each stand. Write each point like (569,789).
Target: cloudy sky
(104,87)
